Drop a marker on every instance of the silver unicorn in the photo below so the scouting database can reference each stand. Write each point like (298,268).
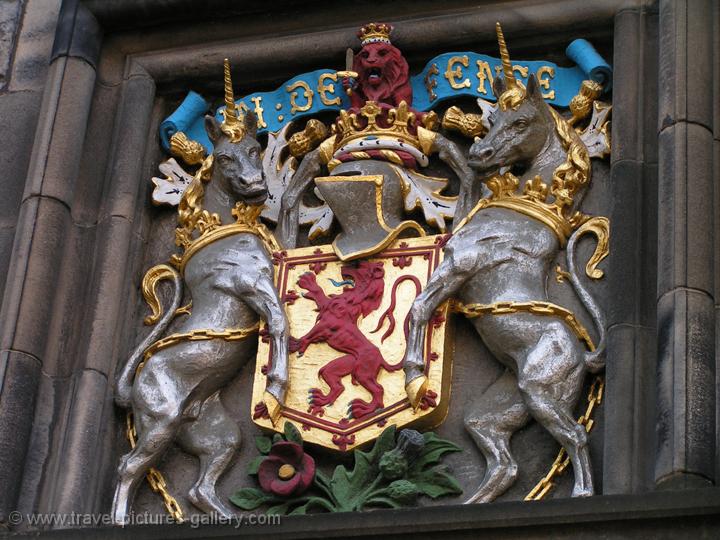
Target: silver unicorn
(175,395)
(498,261)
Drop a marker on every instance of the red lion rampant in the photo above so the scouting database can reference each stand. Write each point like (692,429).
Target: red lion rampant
(337,325)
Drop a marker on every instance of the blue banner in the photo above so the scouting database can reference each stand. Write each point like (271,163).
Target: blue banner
(445,77)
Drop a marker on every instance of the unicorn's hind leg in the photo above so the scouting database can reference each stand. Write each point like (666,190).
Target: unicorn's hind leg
(491,422)
(157,433)
(551,395)
(213,437)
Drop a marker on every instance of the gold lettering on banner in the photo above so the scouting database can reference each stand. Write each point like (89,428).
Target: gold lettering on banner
(484,74)
(454,72)
(257,100)
(243,108)
(430,81)
(544,74)
(324,88)
(522,70)
(307,93)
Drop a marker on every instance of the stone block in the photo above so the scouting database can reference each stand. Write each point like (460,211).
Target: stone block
(97,149)
(31,286)
(686,387)
(7,235)
(626,141)
(625,260)
(61,357)
(78,34)
(32,55)
(685,209)
(631,266)
(716,182)
(87,422)
(110,289)
(18,116)
(634,103)
(9,19)
(135,109)
(61,134)
(685,63)
(649,84)
(629,409)
(716,70)
(646,298)
(40,466)
(19,376)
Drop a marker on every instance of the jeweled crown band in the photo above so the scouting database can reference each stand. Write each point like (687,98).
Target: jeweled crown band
(375,33)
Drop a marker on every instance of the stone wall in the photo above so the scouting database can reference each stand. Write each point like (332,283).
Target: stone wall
(82,91)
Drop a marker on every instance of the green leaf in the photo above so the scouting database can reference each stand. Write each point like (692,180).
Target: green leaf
(436,483)
(316,502)
(384,443)
(292,434)
(432,452)
(382,501)
(342,487)
(263,444)
(278,509)
(321,479)
(300,510)
(348,486)
(249,498)
(322,483)
(320,502)
(254,465)
(277,438)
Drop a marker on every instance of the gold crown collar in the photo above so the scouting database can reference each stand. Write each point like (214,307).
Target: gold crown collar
(549,204)
(375,33)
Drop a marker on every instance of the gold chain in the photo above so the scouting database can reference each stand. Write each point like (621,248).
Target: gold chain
(154,476)
(230,334)
(537,308)
(562,460)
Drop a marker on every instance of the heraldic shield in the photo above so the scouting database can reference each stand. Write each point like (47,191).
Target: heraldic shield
(348,322)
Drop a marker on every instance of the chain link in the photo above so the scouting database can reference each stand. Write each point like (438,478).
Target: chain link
(537,308)
(543,487)
(230,334)
(154,476)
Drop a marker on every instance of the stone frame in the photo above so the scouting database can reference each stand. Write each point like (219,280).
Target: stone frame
(83,218)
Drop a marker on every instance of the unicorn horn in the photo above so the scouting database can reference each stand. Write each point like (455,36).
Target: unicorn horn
(505,57)
(230,110)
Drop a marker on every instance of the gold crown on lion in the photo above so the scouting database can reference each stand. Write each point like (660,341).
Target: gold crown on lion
(375,33)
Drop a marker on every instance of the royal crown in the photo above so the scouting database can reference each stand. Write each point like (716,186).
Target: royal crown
(374,33)
(383,127)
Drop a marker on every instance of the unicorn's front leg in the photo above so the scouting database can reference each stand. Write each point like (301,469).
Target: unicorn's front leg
(265,301)
(289,218)
(443,284)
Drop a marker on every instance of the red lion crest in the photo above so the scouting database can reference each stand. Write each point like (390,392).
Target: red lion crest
(337,325)
(383,76)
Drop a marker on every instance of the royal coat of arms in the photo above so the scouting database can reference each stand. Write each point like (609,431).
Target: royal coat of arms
(349,323)
(353,321)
